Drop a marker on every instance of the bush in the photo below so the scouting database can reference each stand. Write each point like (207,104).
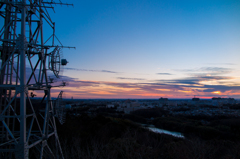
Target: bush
(135,118)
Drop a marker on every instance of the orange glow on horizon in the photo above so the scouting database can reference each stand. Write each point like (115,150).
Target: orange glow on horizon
(113,90)
(217,92)
(185,91)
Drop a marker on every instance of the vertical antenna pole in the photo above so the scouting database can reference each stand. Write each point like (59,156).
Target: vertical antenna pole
(22,143)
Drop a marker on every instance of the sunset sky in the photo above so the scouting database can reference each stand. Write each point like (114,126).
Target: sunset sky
(150,48)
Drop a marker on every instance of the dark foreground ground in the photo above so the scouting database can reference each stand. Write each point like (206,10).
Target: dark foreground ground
(118,137)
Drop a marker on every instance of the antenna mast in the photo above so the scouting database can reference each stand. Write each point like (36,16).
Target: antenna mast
(27,127)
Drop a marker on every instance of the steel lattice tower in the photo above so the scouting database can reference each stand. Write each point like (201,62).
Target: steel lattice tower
(28,129)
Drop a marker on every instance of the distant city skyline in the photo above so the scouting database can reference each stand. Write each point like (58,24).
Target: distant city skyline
(150,48)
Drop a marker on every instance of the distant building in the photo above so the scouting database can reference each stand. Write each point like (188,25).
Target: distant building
(195,99)
(224,100)
(135,104)
(231,101)
(216,98)
(130,109)
(163,101)
(172,103)
(110,106)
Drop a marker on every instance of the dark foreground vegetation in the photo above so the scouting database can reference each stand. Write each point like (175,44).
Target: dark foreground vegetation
(202,126)
(109,137)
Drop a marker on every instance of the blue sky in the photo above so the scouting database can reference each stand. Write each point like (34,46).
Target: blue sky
(151,41)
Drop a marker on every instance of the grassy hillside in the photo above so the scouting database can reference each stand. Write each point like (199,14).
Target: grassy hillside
(102,137)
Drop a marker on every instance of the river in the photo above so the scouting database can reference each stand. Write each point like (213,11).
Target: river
(162,131)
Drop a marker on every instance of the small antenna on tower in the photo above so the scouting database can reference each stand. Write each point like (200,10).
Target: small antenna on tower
(60,108)
(51,80)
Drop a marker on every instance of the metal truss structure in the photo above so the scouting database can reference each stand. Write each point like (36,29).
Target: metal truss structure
(28,127)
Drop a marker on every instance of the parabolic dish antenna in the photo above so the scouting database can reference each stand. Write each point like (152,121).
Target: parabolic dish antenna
(56,61)
(60,109)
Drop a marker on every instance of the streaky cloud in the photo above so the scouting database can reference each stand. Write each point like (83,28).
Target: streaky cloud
(181,81)
(212,70)
(196,79)
(164,74)
(172,88)
(124,78)
(86,70)
(216,69)
(214,78)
